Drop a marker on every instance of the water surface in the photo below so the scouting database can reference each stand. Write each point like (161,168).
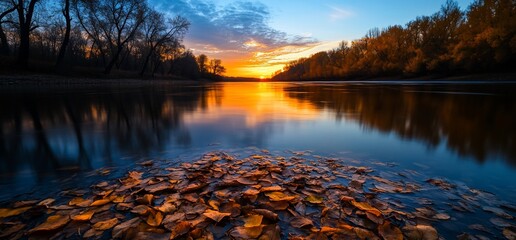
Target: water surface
(463,132)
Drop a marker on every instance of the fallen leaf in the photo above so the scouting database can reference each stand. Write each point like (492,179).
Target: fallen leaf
(420,232)
(442,216)
(366,207)
(52,223)
(279,196)
(246,232)
(100,202)
(301,222)
(154,219)
(180,229)
(274,188)
(365,234)
(214,204)
(509,233)
(253,220)
(215,215)
(105,225)
(85,216)
(92,233)
(141,210)
(120,229)
(14,229)
(166,207)
(267,214)
(46,202)
(390,232)
(314,199)
(6,212)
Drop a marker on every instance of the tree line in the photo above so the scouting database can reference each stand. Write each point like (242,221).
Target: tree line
(479,40)
(125,35)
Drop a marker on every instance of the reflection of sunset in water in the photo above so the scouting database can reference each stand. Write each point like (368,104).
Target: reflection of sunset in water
(256,102)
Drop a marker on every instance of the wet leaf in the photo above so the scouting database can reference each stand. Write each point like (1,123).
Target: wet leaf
(135,175)
(120,229)
(214,204)
(85,216)
(279,205)
(442,216)
(509,233)
(14,229)
(253,220)
(246,232)
(274,188)
(141,210)
(192,187)
(166,207)
(100,202)
(6,212)
(92,233)
(154,219)
(146,199)
(279,196)
(390,232)
(365,234)
(180,229)
(52,223)
(366,207)
(105,225)
(271,232)
(314,199)
(267,214)
(251,192)
(215,215)
(420,232)
(301,222)
(46,202)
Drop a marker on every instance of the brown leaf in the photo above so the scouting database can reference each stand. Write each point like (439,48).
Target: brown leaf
(251,192)
(6,212)
(214,204)
(170,220)
(301,222)
(158,187)
(52,223)
(141,210)
(271,232)
(100,202)
(166,207)
(441,216)
(135,175)
(120,229)
(366,207)
(192,187)
(509,233)
(420,232)
(215,215)
(8,231)
(180,229)
(246,232)
(84,216)
(46,202)
(390,232)
(105,225)
(280,205)
(146,199)
(274,188)
(365,234)
(253,220)
(279,196)
(314,199)
(231,207)
(267,214)
(154,219)
(92,233)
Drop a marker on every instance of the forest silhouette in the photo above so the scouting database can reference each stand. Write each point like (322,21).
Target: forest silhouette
(450,42)
(82,36)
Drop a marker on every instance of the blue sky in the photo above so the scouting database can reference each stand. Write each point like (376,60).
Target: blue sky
(256,38)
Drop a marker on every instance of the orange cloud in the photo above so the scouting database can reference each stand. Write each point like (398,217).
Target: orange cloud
(258,60)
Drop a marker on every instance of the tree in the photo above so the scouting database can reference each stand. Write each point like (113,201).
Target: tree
(202,61)
(8,7)
(158,32)
(111,23)
(25,10)
(66,38)
(216,67)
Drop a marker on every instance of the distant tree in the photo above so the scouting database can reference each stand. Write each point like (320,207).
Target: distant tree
(7,8)
(25,25)
(111,23)
(202,61)
(216,67)
(185,65)
(158,32)
(66,38)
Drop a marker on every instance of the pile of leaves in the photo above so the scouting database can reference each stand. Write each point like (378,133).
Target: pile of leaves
(223,197)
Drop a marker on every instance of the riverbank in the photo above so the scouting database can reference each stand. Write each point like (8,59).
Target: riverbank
(260,196)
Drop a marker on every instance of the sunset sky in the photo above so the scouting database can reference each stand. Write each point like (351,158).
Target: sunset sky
(256,38)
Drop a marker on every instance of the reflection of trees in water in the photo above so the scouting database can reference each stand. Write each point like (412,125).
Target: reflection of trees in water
(479,125)
(53,130)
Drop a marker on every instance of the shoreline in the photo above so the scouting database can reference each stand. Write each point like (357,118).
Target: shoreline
(43,80)
(260,195)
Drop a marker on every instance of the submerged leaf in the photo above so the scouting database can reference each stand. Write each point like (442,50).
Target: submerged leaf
(246,232)
(6,212)
(420,232)
(123,227)
(314,199)
(390,232)
(52,223)
(366,207)
(180,229)
(215,215)
(105,225)
(253,220)
(85,216)
(301,222)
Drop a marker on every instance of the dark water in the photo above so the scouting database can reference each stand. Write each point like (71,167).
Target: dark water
(463,132)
